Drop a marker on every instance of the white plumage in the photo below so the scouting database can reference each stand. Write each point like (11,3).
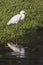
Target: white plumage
(16,18)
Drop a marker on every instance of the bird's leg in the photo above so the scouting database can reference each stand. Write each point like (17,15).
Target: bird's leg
(16,34)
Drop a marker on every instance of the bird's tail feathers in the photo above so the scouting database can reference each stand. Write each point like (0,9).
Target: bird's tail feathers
(8,23)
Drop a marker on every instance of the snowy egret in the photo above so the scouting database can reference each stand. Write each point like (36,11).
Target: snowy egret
(19,52)
(17,18)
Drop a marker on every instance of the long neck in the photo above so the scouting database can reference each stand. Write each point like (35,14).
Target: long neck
(22,16)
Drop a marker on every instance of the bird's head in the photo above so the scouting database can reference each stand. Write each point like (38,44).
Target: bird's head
(22,12)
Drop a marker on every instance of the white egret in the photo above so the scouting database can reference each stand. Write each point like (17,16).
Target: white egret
(17,18)
(19,52)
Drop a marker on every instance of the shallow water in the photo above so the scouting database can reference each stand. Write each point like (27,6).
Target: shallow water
(31,58)
(9,58)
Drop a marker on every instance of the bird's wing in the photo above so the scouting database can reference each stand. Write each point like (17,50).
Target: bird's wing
(14,19)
